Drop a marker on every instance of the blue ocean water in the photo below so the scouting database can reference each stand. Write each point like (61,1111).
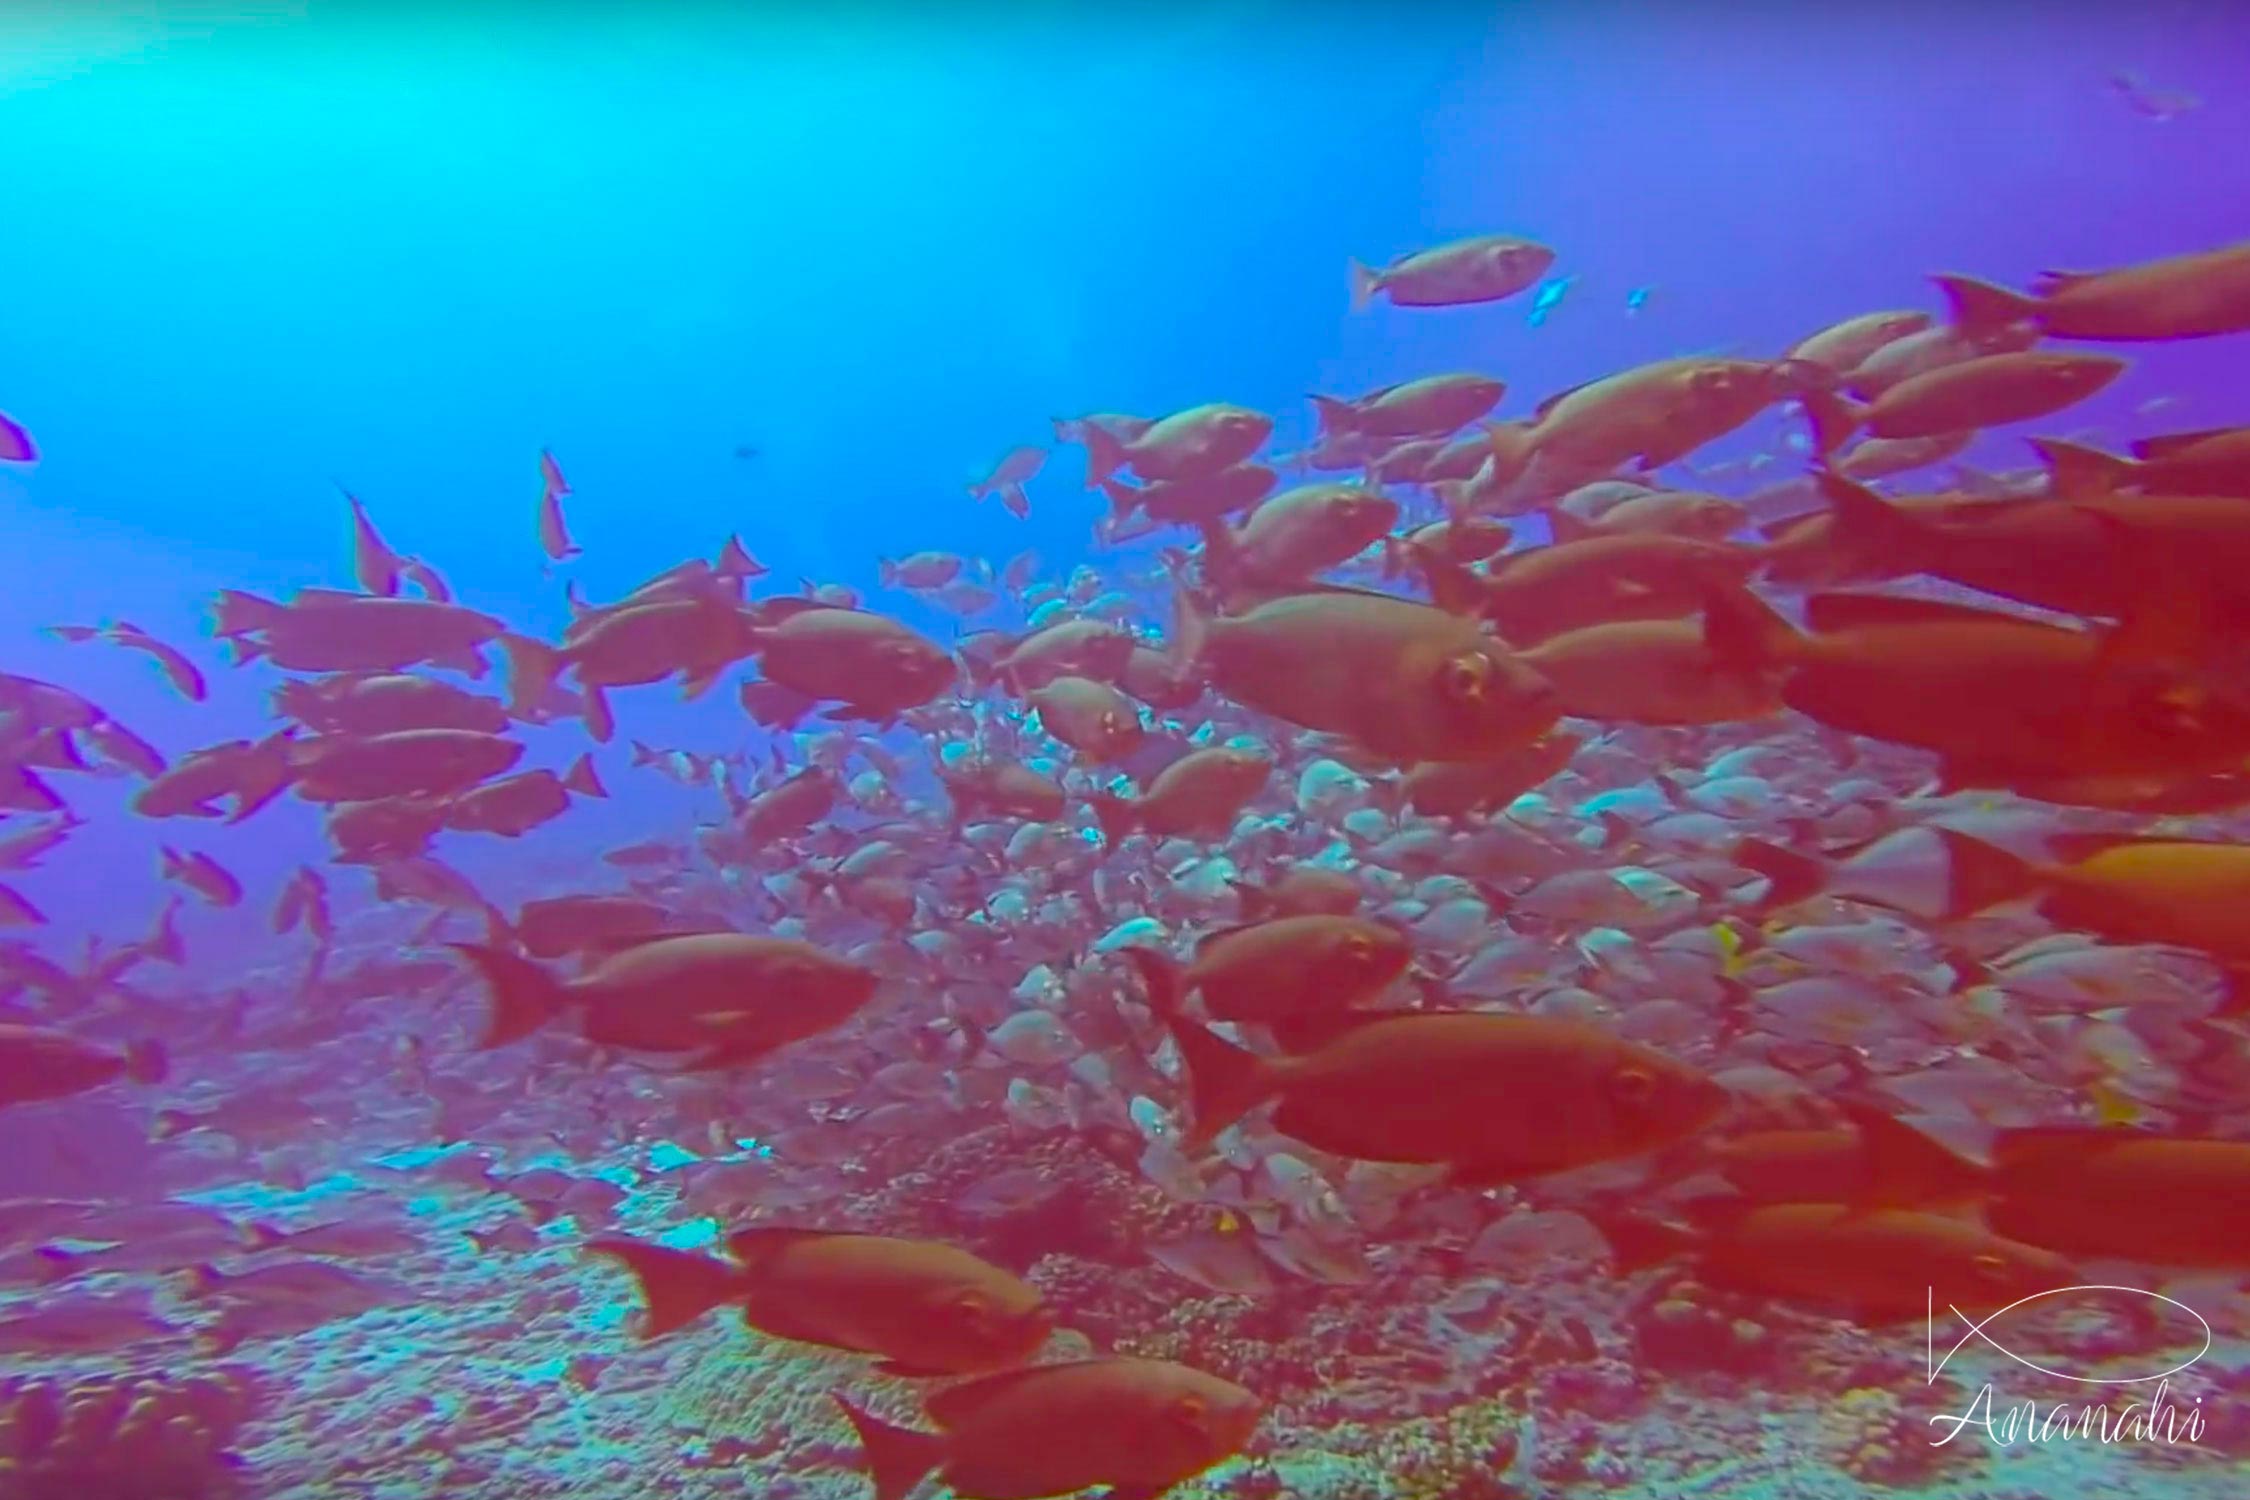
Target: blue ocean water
(801,274)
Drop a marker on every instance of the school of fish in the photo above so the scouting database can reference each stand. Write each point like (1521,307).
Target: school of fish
(1833,888)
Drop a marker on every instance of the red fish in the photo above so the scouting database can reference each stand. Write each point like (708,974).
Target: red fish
(37,1063)
(303,902)
(182,673)
(201,874)
(554,537)
(1008,477)
(21,851)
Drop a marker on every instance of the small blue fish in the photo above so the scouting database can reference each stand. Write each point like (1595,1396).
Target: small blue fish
(1550,296)
(1637,298)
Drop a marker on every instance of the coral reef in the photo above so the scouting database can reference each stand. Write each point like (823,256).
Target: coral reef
(1870,1434)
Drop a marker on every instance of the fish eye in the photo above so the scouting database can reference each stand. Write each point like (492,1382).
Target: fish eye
(1189,1412)
(1464,678)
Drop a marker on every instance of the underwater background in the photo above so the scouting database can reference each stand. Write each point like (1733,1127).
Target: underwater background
(283,1214)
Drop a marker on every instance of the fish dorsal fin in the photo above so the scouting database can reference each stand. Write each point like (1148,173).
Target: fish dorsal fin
(774,611)
(754,1247)
(1453,588)
(1829,613)
(609,946)
(319,596)
(1217,935)
(959,1404)
(2171,444)
(1540,411)
(1904,1166)
(2078,471)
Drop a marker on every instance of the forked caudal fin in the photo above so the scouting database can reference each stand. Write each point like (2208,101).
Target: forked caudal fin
(677,1286)
(524,996)
(897,1457)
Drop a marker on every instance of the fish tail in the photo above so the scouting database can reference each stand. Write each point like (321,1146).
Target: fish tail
(897,1457)
(1394,557)
(169,1123)
(677,1286)
(582,779)
(1222,557)
(1867,525)
(1904,1166)
(1979,307)
(1366,282)
(1117,817)
(1832,417)
(1790,877)
(1333,416)
(1191,632)
(147,1062)
(1256,904)
(532,669)
(1979,875)
(2077,472)
(1124,499)
(524,995)
(1742,632)
(238,613)
(601,723)
(1105,455)
(1453,588)
(1162,983)
(1225,1082)
(1636,1242)
(886,571)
